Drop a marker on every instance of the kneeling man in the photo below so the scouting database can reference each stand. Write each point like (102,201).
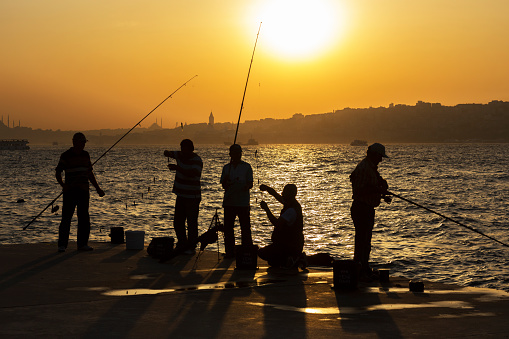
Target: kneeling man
(288,236)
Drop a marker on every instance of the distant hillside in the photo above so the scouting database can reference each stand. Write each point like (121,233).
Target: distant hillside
(422,123)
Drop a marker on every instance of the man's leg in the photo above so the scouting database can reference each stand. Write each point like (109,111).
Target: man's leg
(83,200)
(179,221)
(229,235)
(192,212)
(68,206)
(245,225)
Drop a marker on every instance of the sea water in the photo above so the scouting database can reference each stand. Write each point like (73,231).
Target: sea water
(468,183)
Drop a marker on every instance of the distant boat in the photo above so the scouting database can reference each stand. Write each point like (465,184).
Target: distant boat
(55,143)
(14,144)
(358,142)
(250,142)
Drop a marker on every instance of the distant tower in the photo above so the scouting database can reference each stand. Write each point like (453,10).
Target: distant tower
(211,119)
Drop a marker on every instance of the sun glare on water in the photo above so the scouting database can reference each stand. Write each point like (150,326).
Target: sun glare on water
(298,29)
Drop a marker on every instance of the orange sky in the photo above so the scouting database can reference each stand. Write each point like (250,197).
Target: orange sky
(83,65)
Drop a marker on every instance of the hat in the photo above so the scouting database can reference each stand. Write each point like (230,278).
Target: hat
(378,148)
(79,137)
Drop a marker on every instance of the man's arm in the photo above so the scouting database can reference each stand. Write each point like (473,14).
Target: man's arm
(91,177)
(272,192)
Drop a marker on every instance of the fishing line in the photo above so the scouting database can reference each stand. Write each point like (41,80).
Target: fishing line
(245,87)
(445,217)
(162,102)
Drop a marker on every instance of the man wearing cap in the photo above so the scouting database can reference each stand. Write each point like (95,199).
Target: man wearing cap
(368,188)
(237,180)
(187,187)
(78,172)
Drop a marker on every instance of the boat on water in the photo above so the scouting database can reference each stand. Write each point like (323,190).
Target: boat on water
(358,142)
(14,144)
(250,142)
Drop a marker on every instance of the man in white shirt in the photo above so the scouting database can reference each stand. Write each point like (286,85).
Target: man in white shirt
(237,180)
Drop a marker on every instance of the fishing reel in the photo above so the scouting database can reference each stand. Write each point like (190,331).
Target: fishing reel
(387,198)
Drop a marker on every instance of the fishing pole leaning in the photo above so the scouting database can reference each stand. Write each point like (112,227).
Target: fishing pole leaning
(445,217)
(109,149)
(245,87)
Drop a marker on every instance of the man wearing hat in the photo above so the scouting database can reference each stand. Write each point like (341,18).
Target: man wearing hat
(368,188)
(78,172)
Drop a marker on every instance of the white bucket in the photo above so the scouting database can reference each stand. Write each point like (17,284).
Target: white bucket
(134,240)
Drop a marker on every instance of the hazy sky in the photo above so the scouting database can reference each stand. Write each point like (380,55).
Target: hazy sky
(105,64)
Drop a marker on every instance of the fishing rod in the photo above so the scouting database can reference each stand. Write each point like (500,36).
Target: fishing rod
(245,87)
(109,149)
(445,217)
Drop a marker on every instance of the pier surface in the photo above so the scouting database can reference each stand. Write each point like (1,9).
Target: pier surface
(112,292)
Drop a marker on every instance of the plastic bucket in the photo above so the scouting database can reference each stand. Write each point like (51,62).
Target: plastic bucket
(134,240)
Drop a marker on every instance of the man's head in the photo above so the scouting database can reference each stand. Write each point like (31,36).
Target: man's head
(289,192)
(187,146)
(79,140)
(235,152)
(376,152)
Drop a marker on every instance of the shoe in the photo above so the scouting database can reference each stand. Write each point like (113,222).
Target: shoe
(302,262)
(61,249)
(85,248)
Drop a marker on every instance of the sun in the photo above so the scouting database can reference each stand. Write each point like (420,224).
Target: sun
(299,29)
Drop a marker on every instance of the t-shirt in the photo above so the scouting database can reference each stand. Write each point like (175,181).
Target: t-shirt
(187,186)
(240,177)
(365,179)
(77,167)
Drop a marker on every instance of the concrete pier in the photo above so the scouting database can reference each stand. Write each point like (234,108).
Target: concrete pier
(112,292)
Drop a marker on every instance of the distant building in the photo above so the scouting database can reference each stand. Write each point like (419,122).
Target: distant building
(211,119)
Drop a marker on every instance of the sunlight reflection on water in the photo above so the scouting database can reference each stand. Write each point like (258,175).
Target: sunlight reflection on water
(466,182)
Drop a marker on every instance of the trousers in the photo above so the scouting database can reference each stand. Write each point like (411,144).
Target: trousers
(75,199)
(363,217)
(186,209)
(230,214)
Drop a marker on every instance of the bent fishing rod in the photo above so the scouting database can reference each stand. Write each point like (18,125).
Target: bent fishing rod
(109,149)
(245,87)
(445,217)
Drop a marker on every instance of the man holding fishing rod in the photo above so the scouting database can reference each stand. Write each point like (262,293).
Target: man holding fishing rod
(288,236)
(187,187)
(78,172)
(368,189)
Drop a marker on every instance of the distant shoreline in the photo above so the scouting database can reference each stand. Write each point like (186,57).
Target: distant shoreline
(422,123)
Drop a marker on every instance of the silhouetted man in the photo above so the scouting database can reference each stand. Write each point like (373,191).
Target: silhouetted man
(288,236)
(187,187)
(368,188)
(76,195)
(237,180)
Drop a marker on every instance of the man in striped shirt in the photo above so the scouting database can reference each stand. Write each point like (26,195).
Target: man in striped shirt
(368,188)
(78,172)
(188,190)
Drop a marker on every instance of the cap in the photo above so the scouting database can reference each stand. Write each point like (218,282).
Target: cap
(378,148)
(79,137)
